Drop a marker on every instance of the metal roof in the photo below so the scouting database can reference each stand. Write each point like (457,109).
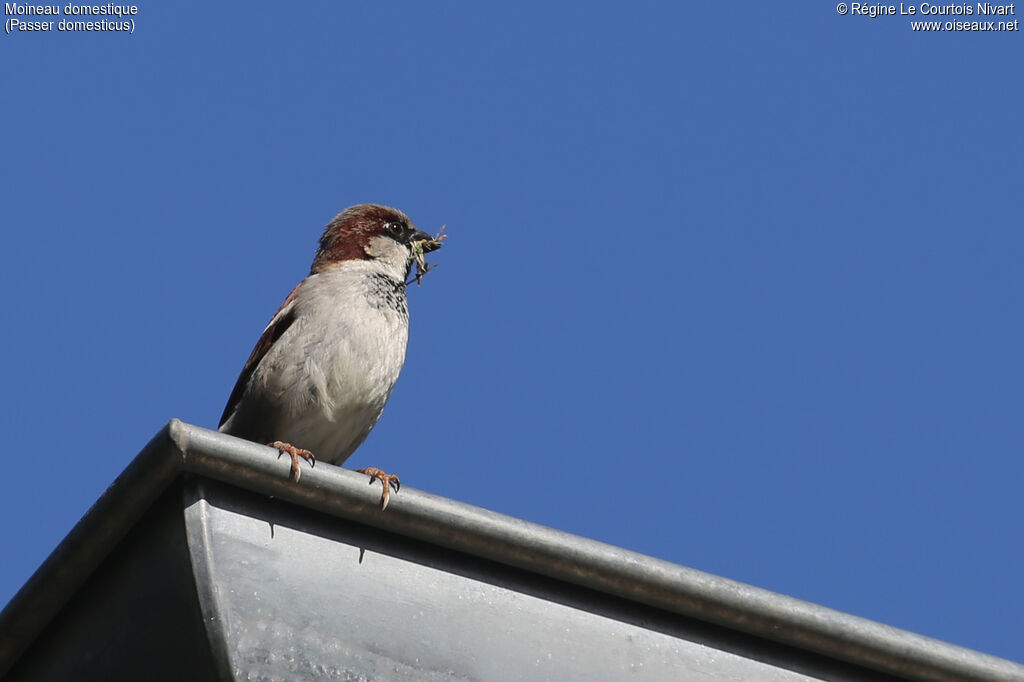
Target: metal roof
(316,581)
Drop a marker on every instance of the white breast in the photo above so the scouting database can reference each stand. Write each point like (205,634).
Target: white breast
(333,370)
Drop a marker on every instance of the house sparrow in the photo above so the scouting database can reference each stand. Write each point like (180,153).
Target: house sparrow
(321,373)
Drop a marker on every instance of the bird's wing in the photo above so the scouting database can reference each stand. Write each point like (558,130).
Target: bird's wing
(278,324)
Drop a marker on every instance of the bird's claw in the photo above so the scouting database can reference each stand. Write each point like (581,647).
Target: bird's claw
(388,481)
(294,452)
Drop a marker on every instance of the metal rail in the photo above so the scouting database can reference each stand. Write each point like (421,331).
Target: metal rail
(179,448)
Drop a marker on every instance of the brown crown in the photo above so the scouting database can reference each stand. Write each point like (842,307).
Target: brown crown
(347,236)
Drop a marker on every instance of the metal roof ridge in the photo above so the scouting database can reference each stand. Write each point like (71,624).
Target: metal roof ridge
(184,448)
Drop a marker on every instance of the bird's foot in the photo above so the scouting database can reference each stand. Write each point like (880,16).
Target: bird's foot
(387,480)
(293,452)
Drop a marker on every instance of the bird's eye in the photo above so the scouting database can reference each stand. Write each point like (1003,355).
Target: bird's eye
(396,228)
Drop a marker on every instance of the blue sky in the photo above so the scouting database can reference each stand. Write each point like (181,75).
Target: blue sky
(737,285)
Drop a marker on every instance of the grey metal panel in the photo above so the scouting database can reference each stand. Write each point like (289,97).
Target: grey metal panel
(88,544)
(301,599)
(136,618)
(546,554)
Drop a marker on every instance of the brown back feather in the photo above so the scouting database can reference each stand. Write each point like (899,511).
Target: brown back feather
(274,330)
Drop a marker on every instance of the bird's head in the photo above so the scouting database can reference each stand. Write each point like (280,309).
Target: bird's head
(371,232)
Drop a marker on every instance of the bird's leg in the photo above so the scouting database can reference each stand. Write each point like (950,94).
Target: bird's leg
(387,480)
(294,453)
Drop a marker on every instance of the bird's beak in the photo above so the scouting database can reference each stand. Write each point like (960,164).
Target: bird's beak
(430,244)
